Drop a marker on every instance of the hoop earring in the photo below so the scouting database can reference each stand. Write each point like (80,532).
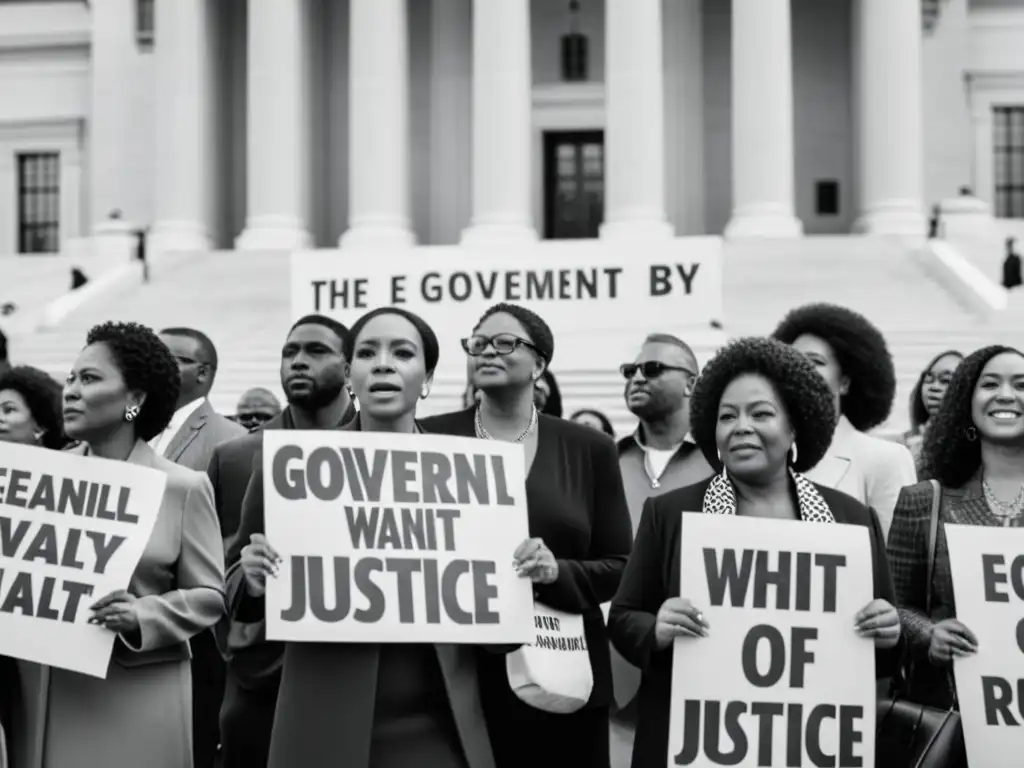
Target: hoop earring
(130,413)
(793,452)
(971,434)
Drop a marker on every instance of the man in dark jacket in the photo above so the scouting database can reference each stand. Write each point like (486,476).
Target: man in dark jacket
(313,379)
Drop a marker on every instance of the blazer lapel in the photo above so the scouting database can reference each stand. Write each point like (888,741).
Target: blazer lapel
(188,432)
(837,461)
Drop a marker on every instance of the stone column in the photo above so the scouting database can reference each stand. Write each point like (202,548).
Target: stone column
(183,193)
(762,121)
(279,127)
(635,122)
(379,192)
(887,89)
(502,109)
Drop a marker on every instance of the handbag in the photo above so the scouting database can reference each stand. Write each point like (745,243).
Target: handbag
(553,673)
(912,735)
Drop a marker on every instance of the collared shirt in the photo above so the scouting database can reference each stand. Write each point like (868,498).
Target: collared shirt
(162,442)
(650,471)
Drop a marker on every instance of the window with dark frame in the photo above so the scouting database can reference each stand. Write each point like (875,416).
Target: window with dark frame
(145,21)
(39,202)
(1008,161)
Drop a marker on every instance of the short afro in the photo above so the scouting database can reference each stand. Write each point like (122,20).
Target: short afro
(861,352)
(42,395)
(146,365)
(805,395)
(949,454)
(538,331)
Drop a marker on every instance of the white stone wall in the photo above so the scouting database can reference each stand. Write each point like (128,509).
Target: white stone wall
(73,79)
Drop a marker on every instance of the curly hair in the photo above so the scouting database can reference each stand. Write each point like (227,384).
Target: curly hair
(861,352)
(42,395)
(146,365)
(804,392)
(951,452)
(918,410)
(538,331)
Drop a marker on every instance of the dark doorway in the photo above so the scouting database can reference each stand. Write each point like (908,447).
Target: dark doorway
(573,184)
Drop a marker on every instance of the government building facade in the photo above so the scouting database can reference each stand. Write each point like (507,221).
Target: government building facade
(281,124)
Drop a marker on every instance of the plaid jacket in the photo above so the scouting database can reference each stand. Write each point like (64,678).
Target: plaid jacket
(908,561)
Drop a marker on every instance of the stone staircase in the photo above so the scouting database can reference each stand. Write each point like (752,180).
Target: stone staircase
(242,301)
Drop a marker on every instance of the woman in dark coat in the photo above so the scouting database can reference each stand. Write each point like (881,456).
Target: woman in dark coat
(762,415)
(975,449)
(580,524)
(369,705)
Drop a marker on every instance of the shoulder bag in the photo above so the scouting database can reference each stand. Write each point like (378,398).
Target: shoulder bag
(553,673)
(912,735)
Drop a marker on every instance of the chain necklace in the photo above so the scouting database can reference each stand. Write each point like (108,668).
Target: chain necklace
(1002,509)
(483,434)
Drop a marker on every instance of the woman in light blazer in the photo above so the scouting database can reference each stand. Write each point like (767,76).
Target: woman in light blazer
(120,394)
(853,357)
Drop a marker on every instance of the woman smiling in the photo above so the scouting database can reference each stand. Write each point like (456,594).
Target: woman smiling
(974,448)
(762,415)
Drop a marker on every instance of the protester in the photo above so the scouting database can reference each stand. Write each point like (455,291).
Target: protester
(189,440)
(579,521)
(195,428)
(120,394)
(30,408)
(925,399)
(975,449)
(30,414)
(852,355)
(314,382)
(386,705)
(256,407)
(762,416)
(595,420)
(660,456)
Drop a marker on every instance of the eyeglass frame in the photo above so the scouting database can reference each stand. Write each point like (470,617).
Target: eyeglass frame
(516,341)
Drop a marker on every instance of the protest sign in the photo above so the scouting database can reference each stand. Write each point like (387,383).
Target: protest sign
(72,530)
(782,678)
(395,538)
(987,565)
(588,291)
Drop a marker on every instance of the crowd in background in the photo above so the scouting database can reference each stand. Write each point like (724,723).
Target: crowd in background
(774,426)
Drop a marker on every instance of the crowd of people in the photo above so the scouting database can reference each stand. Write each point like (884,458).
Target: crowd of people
(773,427)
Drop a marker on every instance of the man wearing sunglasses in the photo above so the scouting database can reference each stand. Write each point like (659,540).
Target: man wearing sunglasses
(658,457)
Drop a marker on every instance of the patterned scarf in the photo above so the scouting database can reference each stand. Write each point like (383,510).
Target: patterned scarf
(720,499)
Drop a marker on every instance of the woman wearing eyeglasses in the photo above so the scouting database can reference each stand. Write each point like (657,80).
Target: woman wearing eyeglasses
(579,524)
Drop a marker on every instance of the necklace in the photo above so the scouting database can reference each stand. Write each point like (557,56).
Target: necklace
(1005,510)
(483,434)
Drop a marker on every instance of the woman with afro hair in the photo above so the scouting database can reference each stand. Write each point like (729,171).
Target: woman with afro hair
(120,394)
(762,416)
(974,449)
(851,355)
